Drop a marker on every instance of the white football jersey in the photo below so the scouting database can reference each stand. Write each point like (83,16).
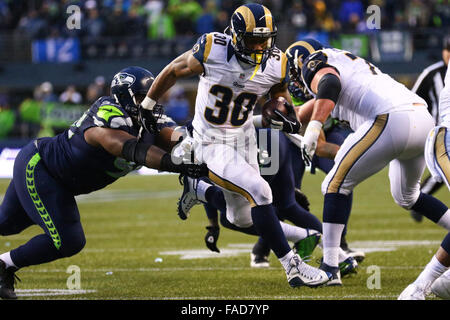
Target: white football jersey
(365,91)
(444,101)
(227,92)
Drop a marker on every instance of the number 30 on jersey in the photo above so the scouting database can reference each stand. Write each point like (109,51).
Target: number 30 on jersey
(221,111)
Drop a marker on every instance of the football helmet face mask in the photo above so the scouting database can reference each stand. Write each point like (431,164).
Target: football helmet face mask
(297,53)
(129,87)
(253,33)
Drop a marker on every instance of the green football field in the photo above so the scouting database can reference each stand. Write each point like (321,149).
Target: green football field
(138,249)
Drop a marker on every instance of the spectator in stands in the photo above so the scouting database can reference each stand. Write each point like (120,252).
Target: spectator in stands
(93,25)
(33,25)
(7,117)
(417,13)
(71,96)
(96,89)
(184,14)
(350,13)
(44,92)
(205,23)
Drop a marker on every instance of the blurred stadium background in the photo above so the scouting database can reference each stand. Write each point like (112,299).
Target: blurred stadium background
(49,73)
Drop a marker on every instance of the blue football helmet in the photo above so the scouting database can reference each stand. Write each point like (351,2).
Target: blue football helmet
(298,52)
(129,86)
(252,22)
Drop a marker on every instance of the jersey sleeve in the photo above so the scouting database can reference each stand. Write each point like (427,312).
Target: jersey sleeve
(111,115)
(202,47)
(314,63)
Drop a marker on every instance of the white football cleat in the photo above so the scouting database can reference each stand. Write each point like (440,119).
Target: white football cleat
(302,274)
(188,198)
(441,287)
(414,292)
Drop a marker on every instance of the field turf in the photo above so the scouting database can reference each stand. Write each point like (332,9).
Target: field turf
(138,249)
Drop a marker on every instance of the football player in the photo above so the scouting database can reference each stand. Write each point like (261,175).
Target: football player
(306,232)
(428,86)
(390,125)
(334,131)
(113,137)
(235,69)
(438,162)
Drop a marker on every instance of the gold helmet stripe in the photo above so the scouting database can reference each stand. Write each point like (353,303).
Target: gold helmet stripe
(248,16)
(268,15)
(304,44)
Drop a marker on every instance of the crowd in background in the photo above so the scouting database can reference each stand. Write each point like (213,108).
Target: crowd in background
(167,19)
(170,19)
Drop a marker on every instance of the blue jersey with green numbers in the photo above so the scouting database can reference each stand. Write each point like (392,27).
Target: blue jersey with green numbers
(80,167)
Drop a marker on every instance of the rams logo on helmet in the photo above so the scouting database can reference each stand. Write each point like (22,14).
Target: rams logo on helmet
(253,32)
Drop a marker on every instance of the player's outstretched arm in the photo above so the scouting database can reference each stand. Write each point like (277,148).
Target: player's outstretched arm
(121,144)
(185,65)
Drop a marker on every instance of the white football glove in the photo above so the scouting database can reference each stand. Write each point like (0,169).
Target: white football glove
(309,141)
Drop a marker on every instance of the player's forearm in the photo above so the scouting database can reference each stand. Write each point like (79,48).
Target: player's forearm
(168,138)
(322,110)
(327,150)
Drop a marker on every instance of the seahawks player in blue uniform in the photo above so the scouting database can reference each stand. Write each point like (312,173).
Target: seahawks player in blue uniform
(113,137)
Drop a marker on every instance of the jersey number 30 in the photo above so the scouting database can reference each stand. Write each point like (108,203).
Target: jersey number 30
(219,114)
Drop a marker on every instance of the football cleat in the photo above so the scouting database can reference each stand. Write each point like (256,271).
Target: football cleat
(302,274)
(414,292)
(259,261)
(358,255)
(7,281)
(348,266)
(335,272)
(441,286)
(305,247)
(188,198)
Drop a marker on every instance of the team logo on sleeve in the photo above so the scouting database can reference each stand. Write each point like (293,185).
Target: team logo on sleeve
(196,48)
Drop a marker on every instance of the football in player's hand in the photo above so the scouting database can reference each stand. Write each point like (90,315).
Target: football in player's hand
(272,104)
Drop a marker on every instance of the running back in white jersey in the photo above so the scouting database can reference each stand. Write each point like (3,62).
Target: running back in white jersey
(227,93)
(365,91)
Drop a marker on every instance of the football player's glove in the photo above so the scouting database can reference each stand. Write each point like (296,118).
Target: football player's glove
(302,199)
(211,238)
(287,123)
(148,119)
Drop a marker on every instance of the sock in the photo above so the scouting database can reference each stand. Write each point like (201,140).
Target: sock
(286,259)
(331,241)
(342,255)
(293,233)
(202,188)
(433,270)
(261,248)
(446,243)
(214,196)
(268,226)
(6,258)
(301,217)
(431,208)
(444,221)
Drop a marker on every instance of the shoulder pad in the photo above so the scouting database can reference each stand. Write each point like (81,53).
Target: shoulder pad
(202,47)
(107,113)
(312,64)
